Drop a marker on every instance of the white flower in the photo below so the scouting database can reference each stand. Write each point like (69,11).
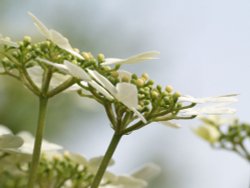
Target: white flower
(7,41)
(137,179)
(54,36)
(126,93)
(208,133)
(218,120)
(133,59)
(27,147)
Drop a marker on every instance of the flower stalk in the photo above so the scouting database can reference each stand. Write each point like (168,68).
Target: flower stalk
(43,104)
(106,159)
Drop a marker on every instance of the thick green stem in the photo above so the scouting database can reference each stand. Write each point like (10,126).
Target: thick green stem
(43,102)
(106,159)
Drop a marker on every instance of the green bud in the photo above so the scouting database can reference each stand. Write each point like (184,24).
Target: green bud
(139,82)
(125,79)
(5,60)
(101,58)
(154,94)
(27,39)
(151,82)
(134,76)
(177,94)
(169,89)
(158,87)
(114,74)
(145,76)
(86,56)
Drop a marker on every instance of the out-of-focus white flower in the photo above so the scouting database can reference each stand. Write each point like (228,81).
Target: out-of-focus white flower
(218,120)
(208,133)
(133,59)
(126,93)
(27,147)
(7,41)
(54,36)
(137,179)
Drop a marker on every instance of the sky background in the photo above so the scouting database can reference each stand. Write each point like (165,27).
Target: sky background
(204,49)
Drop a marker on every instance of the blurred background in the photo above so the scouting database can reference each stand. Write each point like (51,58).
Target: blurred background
(204,49)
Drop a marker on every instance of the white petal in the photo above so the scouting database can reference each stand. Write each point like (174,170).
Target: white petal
(170,124)
(103,81)
(63,43)
(101,90)
(128,94)
(40,26)
(110,61)
(208,110)
(60,67)
(28,144)
(133,59)
(8,141)
(147,172)
(218,99)
(8,42)
(4,130)
(77,71)
(139,115)
(130,182)
(208,133)
(36,74)
(54,36)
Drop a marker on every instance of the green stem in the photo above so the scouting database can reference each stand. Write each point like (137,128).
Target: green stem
(43,102)
(106,159)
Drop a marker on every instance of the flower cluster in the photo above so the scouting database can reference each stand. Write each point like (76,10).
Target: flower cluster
(131,102)
(58,168)
(226,133)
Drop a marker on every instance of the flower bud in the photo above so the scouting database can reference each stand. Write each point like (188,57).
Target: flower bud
(154,94)
(101,58)
(139,82)
(86,56)
(169,89)
(27,39)
(177,94)
(145,76)
(114,74)
(125,79)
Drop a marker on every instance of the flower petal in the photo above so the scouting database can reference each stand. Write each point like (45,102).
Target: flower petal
(9,141)
(208,133)
(40,26)
(54,36)
(133,59)
(139,115)
(218,99)
(103,81)
(63,43)
(147,172)
(101,90)
(127,93)
(60,67)
(76,71)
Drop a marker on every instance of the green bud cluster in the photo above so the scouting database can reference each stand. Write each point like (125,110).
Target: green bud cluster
(233,136)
